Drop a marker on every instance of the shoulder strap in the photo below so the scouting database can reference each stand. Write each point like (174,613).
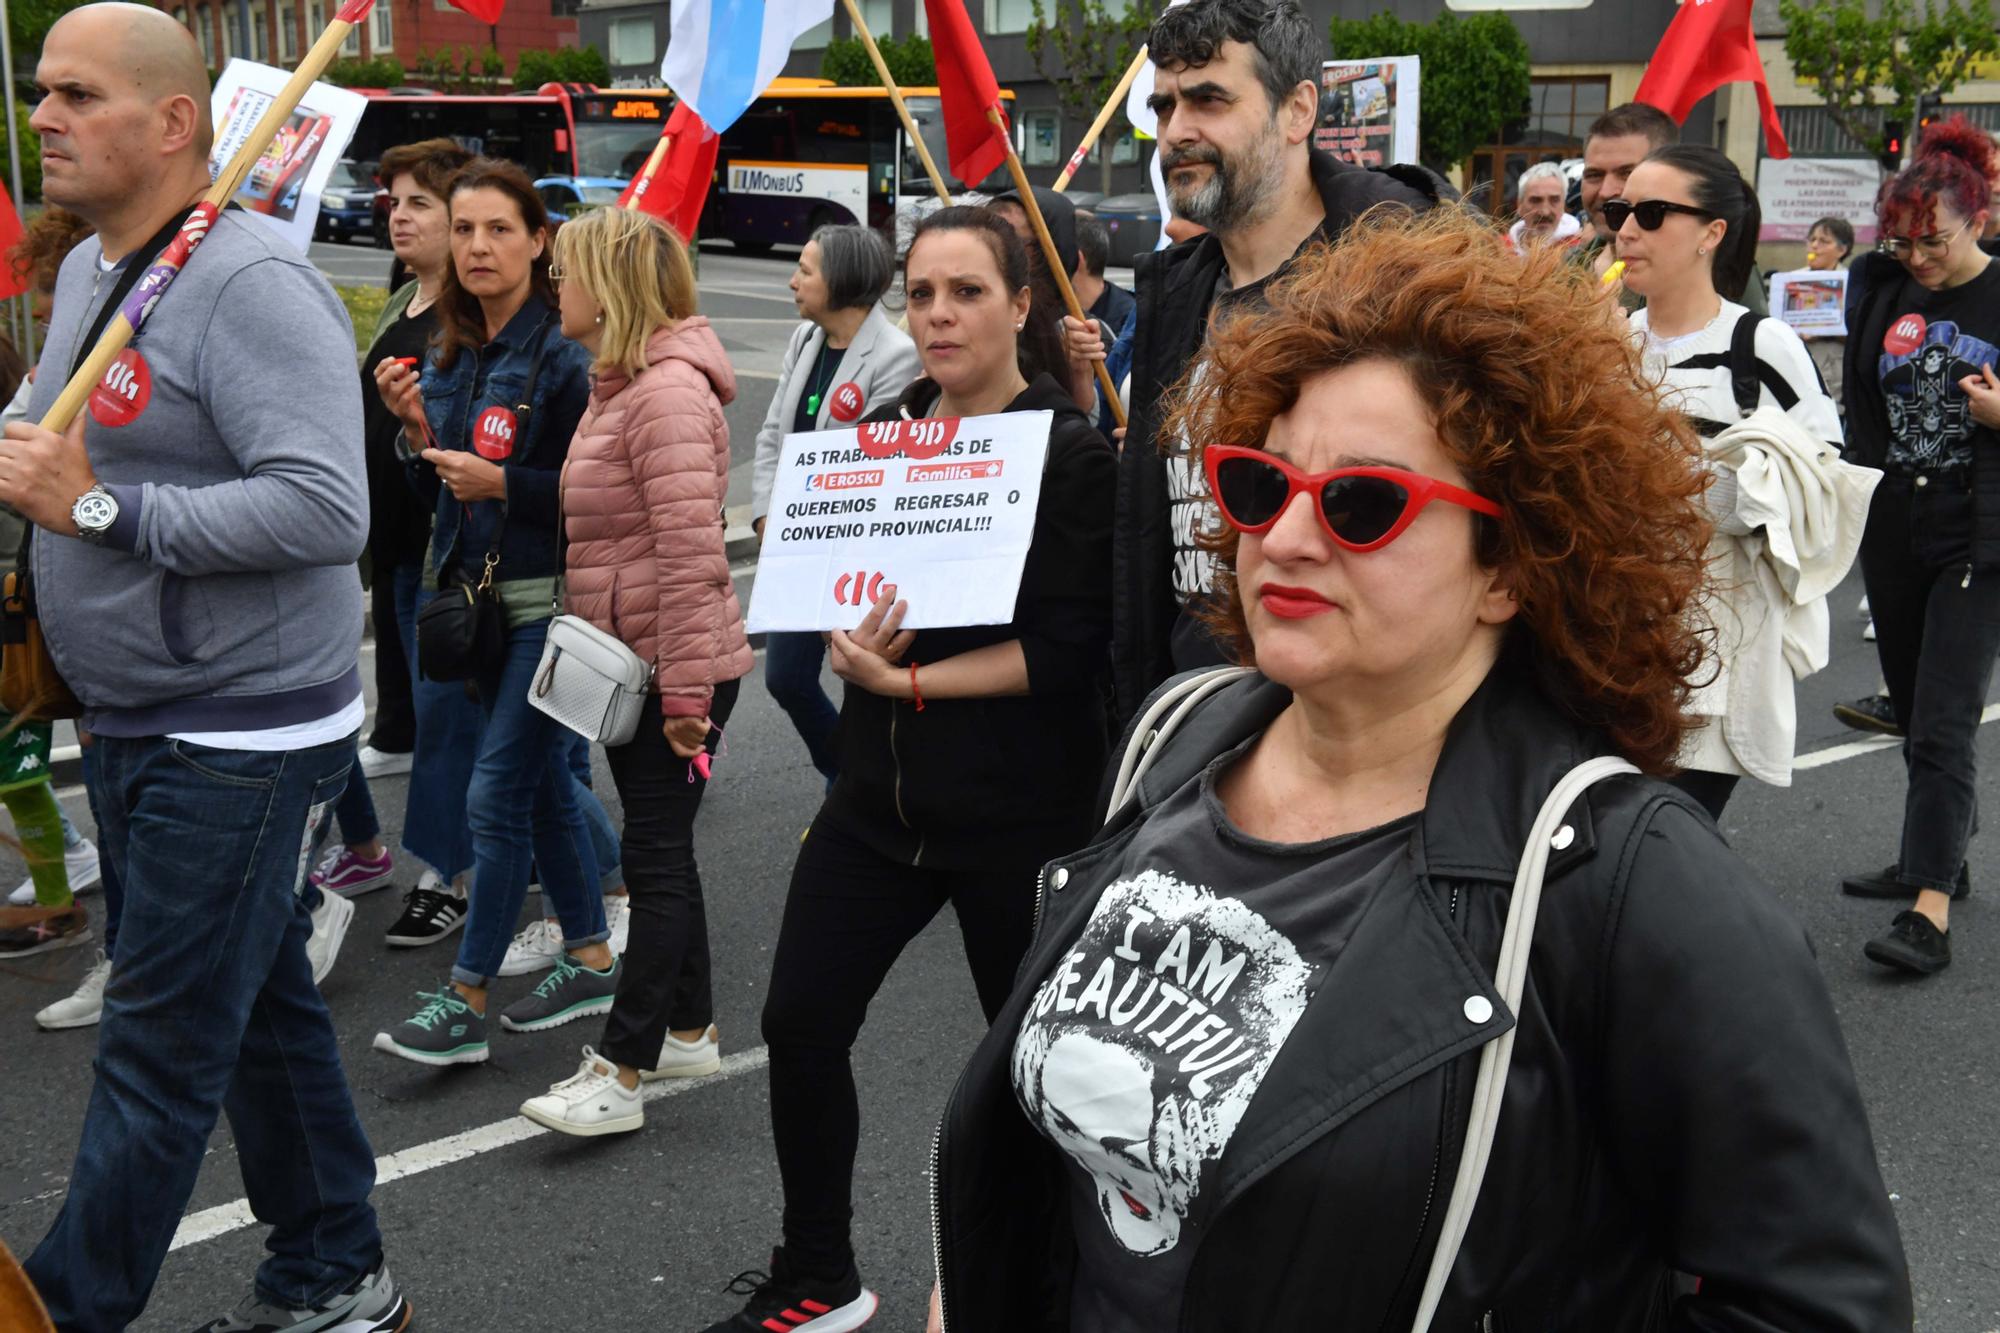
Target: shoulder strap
(1149,734)
(1509,979)
(136,265)
(1743,363)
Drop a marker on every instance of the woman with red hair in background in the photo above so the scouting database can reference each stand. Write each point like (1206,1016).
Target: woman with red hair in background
(1923,405)
(1460,538)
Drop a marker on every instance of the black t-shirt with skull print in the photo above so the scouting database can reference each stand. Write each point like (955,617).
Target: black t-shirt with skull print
(1147,1042)
(1931,342)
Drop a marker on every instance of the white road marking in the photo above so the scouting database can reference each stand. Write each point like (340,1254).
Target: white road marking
(1833,754)
(225,1218)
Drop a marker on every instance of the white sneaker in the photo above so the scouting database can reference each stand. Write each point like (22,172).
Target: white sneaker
(382,763)
(330,922)
(589,1102)
(80,863)
(618,917)
(687,1059)
(81,1009)
(535,949)
(1862,610)
(1868,635)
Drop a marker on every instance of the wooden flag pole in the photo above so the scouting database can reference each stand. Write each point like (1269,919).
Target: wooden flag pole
(1111,105)
(121,329)
(1041,226)
(646,173)
(896,100)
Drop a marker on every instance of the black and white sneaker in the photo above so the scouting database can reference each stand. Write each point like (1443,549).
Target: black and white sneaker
(429,914)
(371,1305)
(782,1299)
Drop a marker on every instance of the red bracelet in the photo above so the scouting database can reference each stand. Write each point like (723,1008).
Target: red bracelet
(916,693)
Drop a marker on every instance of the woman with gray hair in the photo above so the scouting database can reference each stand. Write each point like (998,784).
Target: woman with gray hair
(846,358)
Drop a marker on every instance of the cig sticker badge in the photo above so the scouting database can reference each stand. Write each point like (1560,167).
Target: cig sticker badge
(493,434)
(124,391)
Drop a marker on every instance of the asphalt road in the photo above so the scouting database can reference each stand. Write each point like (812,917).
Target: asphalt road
(497,1231)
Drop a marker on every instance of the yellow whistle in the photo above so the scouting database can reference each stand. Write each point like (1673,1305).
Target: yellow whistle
(1612,274)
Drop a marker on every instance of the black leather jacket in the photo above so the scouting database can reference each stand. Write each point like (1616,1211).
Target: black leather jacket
(1680,1099)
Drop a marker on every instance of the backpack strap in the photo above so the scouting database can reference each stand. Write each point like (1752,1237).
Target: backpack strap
(1743,364)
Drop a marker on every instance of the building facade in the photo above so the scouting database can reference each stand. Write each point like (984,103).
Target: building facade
(279,32)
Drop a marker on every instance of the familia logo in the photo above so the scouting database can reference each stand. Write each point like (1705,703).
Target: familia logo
(981,471)
(844,481)
(759,180)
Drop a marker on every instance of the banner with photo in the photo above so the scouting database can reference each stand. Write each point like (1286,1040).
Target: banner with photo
(1368,110)
(284,186)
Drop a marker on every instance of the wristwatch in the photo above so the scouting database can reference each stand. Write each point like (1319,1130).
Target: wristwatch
(93,513)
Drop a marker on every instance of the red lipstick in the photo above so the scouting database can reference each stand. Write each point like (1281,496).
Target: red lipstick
(1294,603)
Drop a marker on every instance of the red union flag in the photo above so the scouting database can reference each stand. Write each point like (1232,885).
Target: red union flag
(1709,43)
(675,184)
(14,275)
(975,146)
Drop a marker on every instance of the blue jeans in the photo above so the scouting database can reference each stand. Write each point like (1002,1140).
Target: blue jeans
(448,727)
(355,810)
(603,838)
(211,1007)
(523,807)
(114,888)
(791,673)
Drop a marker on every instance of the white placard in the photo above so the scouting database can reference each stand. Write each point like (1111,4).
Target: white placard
(285,185)
(943,510)
(1796,192)
(1368,110)
(1812,300)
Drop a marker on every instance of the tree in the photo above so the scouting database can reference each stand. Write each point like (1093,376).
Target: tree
(910,61)
(1093,45)
(29,22)
(1909,48)
(1473,72)
(571,64)
(380,72)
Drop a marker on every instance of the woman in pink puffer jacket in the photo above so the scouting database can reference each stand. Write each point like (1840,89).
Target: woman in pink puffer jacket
(642,499)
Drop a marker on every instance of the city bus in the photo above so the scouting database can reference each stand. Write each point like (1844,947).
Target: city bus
(805,155)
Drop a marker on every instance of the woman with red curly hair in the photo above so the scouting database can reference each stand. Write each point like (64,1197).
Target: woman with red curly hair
(1232,1085)
(1924,406)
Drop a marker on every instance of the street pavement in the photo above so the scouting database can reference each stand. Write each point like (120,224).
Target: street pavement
(493,1225)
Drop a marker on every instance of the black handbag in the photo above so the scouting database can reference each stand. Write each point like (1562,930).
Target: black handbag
(464,627)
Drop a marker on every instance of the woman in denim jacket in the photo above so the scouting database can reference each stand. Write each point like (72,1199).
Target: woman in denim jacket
(493,469)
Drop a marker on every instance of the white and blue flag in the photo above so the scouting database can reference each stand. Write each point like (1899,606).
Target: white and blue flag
(722,53)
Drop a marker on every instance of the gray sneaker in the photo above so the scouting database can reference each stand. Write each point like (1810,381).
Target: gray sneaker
(568,993)
(371,1305)
(446,1031)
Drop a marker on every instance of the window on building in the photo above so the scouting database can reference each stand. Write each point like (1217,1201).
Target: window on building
(1041,134)
(880,16)
(260,35)
(1009,16)
(1560,111)
(815,38)
(384,36)
(205,29)
(232,27)
(632,40)
(352,46)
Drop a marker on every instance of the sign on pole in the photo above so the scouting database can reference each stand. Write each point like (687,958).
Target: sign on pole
(1796,192)
(285,184)
(1368,110)
(942,510)
(1812,301)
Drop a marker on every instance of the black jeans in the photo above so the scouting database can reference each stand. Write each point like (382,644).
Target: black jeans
(395,712)
(1937,628)
(849,915)
(666,981)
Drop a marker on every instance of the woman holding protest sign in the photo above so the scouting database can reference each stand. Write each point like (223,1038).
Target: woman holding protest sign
(967,756)
(490,421)
(642,496)
(845,358)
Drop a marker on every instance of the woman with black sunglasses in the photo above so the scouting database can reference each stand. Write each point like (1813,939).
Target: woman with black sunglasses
(1686,230)
(1234,1078)
(1924,406)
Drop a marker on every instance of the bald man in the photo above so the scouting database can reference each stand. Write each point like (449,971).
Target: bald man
(196,533)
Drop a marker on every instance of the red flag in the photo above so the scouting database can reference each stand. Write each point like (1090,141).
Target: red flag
(675,185)
(14,275)
(486,11)
(975,146)
(1709,43)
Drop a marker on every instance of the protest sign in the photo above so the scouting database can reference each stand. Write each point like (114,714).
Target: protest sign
(285,184)
(1368,110)
(942,510)
(1812,301)
(1796,192)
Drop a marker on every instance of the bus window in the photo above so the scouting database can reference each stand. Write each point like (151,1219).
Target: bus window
(617,149)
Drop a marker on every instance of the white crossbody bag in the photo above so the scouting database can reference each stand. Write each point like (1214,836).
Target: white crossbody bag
(588,680)
(1509,977)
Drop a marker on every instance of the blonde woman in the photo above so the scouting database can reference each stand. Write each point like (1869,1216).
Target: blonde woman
(642,504)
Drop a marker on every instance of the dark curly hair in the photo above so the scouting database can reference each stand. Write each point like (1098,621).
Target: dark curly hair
(47,242)
(1540,398)
(1955,165)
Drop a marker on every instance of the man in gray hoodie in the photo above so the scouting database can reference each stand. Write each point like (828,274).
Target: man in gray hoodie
(194,563)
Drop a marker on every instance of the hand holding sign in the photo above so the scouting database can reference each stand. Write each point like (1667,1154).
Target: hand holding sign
(871,656)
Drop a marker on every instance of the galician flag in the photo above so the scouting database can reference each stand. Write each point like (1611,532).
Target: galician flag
(722,53)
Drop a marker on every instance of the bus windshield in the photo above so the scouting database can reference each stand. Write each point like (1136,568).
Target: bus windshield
(615,149)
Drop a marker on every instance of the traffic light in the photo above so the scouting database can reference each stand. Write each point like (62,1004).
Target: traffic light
(1930,110)
(1892,145)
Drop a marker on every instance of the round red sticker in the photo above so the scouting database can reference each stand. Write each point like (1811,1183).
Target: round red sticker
(124,391)
(1905,336)
(846,404)
(493,434)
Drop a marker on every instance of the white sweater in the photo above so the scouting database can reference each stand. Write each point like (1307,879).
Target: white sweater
(1693,371)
